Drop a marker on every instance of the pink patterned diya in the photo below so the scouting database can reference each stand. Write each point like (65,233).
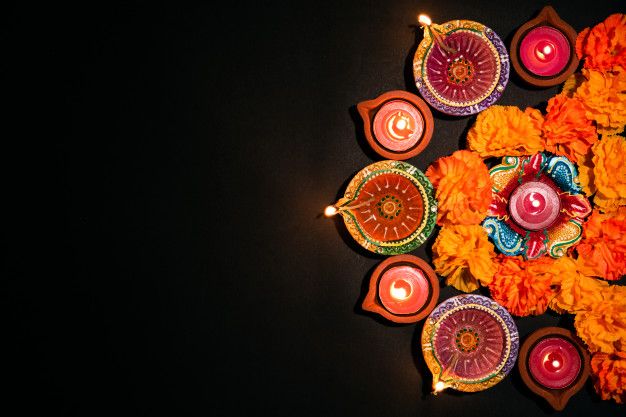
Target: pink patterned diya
(461,67)
(403,289)
(469,343)
(537,206)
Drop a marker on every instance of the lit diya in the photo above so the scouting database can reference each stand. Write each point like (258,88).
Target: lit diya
(403,289)
(388,207)
(554,364)
(460,67)
(398,125)
(543,50)
(537,206)
(470,343)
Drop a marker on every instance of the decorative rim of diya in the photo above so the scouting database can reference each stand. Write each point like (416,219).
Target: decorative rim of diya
(444,378)
(557,398)
(547,17)
(368,109)
(372,301)
(433,36)
(509,231)
(392,192)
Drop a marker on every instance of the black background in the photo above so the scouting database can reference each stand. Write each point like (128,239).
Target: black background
(176,262)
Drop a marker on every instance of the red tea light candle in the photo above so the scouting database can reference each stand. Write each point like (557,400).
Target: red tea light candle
(554,362)
(542,49)
(403,290)
(398,125)
(534,205)
(545,51)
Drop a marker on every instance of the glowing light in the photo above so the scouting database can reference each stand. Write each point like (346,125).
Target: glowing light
(556,364)
(545,51)
(330,211)
(424,20)
(400,289)
(439,386)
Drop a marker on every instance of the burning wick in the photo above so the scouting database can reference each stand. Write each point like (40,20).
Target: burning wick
(426,22)
(439,386)
(332,210)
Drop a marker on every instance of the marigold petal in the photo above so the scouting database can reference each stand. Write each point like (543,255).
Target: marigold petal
(463,188)
(523,286)
(608,373)
(464,254)
(506,131)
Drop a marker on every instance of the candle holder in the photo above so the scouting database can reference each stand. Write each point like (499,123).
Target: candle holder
(461,67)
(388,207)
(398,125)
(469,343)
(537,206)
(402,289)
(554,364)
(543,50)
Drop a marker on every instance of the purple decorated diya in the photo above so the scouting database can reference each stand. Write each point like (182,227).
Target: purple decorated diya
(461,67)
(470,343)
(537,206)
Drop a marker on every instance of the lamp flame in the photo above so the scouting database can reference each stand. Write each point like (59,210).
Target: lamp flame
(439,386)
(424,20)
(330,211)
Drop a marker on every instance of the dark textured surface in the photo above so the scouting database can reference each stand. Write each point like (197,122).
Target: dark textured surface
(199,145)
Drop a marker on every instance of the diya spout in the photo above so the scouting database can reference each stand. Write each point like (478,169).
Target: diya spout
(438,387)
(432,29)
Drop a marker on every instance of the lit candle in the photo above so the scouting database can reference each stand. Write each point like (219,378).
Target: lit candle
(534,205)
(545,51)
(554,362)
(398,125)
(403,289)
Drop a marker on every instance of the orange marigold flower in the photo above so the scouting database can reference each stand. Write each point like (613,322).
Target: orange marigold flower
(464,254)
(603,95)
(609,167)
(602,250)
(575,290)
(603,325)
(463,188)
(566,130)
(609,376)
(523,286)
(506,131)
(609,156)
(604,47)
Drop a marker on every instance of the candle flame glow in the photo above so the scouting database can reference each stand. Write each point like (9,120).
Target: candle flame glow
(424,20)
(556,364)
(400,290)
(544,51)
(330,211)
(439,386)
